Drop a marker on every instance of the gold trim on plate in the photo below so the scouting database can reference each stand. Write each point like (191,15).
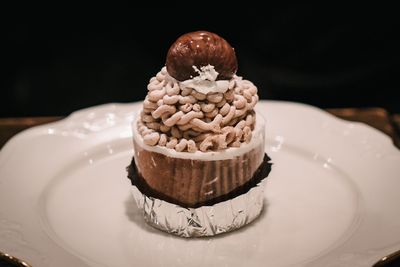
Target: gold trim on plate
(395,256)
(13,260)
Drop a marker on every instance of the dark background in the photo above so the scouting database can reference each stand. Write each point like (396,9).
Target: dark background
(328,57)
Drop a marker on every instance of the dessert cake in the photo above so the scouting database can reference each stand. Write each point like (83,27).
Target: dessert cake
(198,142)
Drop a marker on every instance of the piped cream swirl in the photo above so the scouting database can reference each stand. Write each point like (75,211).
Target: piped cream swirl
(185,119)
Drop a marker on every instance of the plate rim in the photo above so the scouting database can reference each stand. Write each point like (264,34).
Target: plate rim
(39,130)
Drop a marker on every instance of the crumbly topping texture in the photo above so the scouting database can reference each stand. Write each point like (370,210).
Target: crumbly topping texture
(181,118)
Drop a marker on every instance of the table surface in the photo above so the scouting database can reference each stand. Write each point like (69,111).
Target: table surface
(376,117)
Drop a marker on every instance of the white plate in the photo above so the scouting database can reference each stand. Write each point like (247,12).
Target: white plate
(332,198)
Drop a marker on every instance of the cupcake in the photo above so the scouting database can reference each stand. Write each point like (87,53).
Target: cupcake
(199,162)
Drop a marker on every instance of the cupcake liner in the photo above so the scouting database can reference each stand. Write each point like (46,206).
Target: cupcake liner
(211,220)
(219,215)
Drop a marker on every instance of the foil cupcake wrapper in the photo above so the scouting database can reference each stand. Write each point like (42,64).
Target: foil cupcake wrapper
(219,218)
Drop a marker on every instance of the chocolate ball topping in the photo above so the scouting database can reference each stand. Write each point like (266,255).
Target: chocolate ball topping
(200,49)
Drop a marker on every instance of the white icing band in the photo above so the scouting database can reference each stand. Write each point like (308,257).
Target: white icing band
(206,81)
(229,153)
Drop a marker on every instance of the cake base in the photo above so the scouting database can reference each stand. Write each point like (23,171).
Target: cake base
(191,179)
(222,215)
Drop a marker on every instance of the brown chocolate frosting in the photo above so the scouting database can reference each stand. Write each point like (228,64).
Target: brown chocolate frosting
(201,48)
(261,173)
